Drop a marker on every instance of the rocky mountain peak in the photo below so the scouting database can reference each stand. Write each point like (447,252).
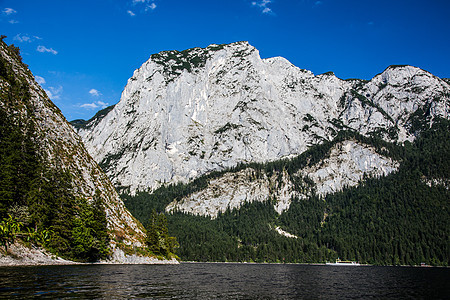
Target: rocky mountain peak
(185,113)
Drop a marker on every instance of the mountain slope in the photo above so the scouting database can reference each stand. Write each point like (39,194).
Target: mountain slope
(183,114)
(256,159)
(400,217)
(49,181)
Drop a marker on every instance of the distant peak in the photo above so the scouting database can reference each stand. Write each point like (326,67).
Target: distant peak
(174,62)
(403,67)
(211,47)
(329,73)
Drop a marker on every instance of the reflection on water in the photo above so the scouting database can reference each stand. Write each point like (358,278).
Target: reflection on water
(223,281)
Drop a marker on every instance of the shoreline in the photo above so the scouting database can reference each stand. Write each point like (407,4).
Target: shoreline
(306,264)
(19,255)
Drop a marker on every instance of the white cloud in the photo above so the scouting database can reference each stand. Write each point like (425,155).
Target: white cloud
(23,38)
(13,21)
(94,92)
(43,49)
(9,11)
(150,6)
(54,93)
(142,5)
(94,105)
(102,104)
(263,5)
(39,79)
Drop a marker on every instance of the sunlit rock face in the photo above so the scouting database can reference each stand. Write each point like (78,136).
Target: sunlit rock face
(183,114)
(346,165)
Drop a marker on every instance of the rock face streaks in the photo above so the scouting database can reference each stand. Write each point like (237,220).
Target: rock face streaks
(346,165)
(186,113)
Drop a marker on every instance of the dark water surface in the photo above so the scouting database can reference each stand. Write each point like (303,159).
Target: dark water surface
(223,281)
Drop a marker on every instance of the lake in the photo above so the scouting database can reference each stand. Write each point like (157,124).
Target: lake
(223,281)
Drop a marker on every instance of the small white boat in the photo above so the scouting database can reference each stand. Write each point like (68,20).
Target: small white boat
(343,263)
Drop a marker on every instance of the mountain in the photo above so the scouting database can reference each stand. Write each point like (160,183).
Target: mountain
(355,197)
(184,114)
(49,183)
(257,160)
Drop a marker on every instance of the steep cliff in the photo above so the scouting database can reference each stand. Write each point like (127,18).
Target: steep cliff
(183,114)
(62,163)
(257,160)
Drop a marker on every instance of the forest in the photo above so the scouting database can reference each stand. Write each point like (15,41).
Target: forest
(399,219)
(37,202)
(39,205)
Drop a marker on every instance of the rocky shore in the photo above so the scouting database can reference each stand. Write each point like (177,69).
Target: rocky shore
(20,255)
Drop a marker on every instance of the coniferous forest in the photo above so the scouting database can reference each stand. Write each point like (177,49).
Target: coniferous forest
(400,219)
(37,202)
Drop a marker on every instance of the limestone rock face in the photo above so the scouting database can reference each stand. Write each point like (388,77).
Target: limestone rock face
(183,114)
(345,166)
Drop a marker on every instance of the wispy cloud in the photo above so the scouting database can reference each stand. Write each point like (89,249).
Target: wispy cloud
(13,21)
(9,11)
(44,49)
(94,105)
(22,38)
(263,5)
(25,38)
(95,93)
(39,79)
(151,6)
(54,93)
(142,6)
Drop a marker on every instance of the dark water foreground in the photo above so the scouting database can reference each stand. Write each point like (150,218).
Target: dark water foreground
(223,281)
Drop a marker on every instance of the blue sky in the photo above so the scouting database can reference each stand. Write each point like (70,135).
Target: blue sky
(83,52)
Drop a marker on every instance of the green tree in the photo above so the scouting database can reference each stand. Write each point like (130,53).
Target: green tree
(9,227)
(158,240)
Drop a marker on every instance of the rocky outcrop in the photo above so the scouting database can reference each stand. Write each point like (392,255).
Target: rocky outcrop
(20,255)
(346,165)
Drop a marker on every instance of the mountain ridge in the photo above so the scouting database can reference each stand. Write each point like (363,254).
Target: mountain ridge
(258,160)
(183,114)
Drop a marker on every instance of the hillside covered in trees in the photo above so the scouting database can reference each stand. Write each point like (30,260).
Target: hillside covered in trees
(399,219)
(52,194)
